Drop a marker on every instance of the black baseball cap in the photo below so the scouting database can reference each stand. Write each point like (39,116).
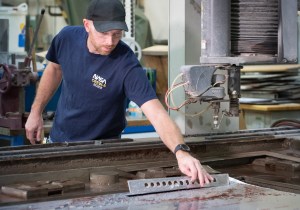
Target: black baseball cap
(107,15)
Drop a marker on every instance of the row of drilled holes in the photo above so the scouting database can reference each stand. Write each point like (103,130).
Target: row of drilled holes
(171,183)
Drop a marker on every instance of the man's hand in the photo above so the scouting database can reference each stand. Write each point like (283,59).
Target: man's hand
(34,128)
(192,167)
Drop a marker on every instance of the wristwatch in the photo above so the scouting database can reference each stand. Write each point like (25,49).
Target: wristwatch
(182,147)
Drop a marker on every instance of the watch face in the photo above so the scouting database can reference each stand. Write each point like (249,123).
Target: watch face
(185,147)
(182,147)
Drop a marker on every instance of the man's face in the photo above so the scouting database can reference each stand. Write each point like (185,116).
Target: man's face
(102,42)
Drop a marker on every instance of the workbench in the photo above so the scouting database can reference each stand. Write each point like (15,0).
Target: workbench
(267,159)
(236,195)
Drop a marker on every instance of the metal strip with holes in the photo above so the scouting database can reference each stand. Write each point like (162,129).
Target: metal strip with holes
(146,186)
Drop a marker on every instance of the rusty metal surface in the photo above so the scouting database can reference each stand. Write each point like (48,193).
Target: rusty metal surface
(40,158)
(234,196)
(109,145)
(262,154)
(275,172)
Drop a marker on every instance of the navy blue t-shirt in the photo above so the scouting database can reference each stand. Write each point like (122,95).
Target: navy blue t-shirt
(94,87)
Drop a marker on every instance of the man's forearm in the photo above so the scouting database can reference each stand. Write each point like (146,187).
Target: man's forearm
(163,124)
(48,85)
(169,133)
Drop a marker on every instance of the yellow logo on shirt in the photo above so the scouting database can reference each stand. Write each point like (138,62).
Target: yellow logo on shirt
(98,81)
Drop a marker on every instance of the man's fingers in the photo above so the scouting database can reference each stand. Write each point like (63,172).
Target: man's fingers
(201,172)
(190,170)
(207,181)
(211,179)
(30,136)
(34,127)
(203,176)
(32,140)
(38,135)
(193,168)
(194,172)
(207,178)
(34,136)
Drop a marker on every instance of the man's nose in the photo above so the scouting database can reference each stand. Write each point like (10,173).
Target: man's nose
(109,39)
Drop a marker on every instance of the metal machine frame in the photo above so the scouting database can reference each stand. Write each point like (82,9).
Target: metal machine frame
(229,37)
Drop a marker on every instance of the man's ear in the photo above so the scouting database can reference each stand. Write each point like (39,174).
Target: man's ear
(87,24)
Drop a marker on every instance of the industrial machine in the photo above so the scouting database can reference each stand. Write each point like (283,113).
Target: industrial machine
(95,174)
(12,82)
(98,174)
(233,34)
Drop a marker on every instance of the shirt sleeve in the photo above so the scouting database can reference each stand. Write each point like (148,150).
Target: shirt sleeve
(54,49)
(137,86)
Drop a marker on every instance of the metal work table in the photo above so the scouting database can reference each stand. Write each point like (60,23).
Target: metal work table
(266,157)
(237,195)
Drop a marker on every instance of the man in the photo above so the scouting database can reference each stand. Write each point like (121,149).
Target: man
(98,72)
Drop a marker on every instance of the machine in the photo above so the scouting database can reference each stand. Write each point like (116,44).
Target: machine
(95,174)
(12,82)
(233,34)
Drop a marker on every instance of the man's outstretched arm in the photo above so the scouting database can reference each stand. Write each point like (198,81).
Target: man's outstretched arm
(48,85)
(171,136)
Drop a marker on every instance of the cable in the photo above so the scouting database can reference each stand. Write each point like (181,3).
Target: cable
(169,91)
(222,81)
(286,122)
(188,101)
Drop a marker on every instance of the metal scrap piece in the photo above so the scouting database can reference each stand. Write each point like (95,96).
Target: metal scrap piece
(146,186)
(104,178)
(24,191)
(69,185)
(41,188)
